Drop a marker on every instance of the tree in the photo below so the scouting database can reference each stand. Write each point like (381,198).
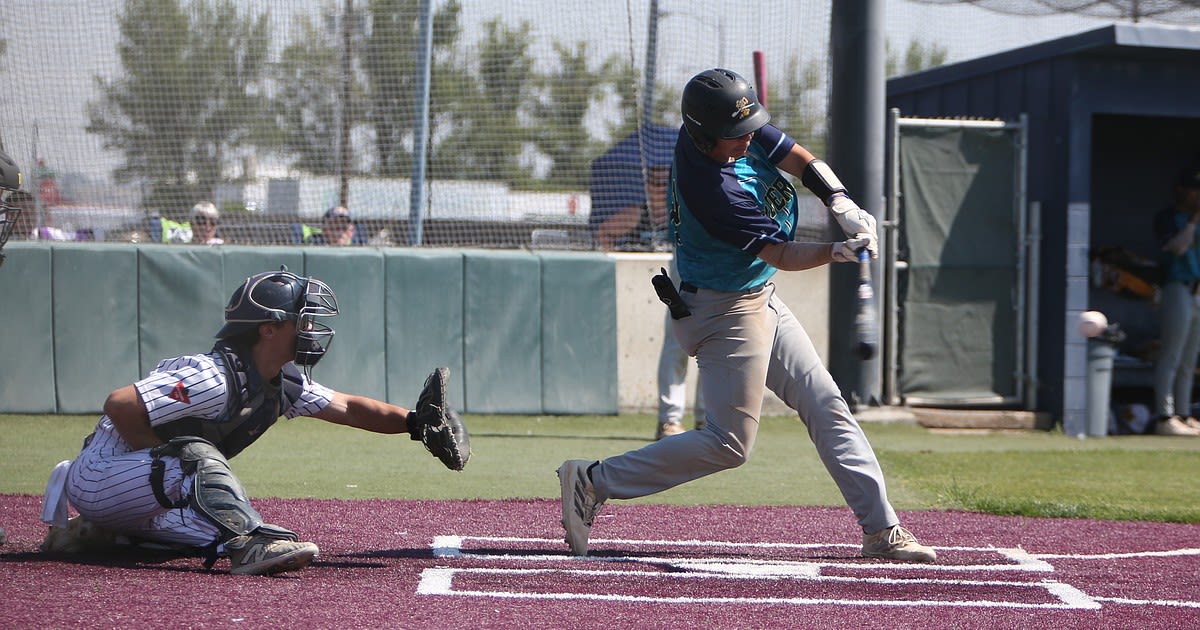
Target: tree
(188,101)
(797,104)
(390,61)
(918,57)
(565,98)
(489,136)
(308,77)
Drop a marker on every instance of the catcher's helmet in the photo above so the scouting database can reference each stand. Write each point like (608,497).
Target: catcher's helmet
(277,296)
(720,103)
(10,179)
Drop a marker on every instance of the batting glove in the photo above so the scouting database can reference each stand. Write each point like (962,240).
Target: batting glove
(847,251)
(854,221)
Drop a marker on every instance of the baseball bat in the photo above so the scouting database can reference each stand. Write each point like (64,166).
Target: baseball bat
(760,76)
(866,319)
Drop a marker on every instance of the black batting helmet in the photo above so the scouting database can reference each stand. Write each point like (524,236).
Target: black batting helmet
(277,296)
(10,179)
(720,103)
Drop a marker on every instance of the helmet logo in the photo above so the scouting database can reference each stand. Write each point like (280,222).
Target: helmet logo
(741,108)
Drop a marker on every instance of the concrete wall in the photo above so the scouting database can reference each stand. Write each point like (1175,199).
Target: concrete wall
(640,326)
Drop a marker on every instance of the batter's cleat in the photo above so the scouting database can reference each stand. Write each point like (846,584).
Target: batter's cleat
(256,554)
(1193,423)
(896,543)
(579,504)
(1174,425)
(667,429)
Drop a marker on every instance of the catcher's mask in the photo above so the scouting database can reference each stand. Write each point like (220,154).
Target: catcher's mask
(277,296)
(10,180)
(718,104)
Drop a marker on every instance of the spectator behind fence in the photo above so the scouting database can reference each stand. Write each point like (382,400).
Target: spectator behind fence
(1179,310)
(336,229)
(205,220)
(622,178)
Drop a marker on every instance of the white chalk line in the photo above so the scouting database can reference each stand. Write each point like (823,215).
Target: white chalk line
(440,580)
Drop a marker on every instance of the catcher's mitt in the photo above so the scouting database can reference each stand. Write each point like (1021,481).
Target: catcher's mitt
(436,424)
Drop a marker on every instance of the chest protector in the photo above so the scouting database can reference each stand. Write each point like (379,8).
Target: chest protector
(252,406)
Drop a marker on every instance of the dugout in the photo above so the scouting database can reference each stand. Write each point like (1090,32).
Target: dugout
(1112,114)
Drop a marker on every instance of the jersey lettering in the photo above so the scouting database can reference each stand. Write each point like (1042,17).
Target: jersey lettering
(778,197)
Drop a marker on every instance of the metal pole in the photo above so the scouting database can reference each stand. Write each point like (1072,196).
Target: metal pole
(890,233)
(343,160)
(651,68)
(416,209)
(856,139)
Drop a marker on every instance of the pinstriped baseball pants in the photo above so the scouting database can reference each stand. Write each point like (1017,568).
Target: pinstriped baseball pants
(113,490)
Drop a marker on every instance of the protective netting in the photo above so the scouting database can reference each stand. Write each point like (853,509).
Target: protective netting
(1176,11)
(124,114)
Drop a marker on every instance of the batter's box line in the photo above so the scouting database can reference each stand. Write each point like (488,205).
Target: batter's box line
(451,546)
(439,581)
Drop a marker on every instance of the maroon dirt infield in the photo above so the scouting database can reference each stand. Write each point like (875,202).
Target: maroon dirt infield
(501,564)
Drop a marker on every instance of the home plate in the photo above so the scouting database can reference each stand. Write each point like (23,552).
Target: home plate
(754,568)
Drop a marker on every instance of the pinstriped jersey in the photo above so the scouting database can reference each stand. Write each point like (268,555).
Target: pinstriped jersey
(723,214)
(194,386)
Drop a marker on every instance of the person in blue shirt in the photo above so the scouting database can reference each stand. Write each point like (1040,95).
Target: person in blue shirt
(1179,308)
(733,215)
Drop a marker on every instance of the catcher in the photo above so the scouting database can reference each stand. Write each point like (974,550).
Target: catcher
(155,472)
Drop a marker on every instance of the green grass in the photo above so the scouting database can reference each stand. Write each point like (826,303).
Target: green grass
(1030,473)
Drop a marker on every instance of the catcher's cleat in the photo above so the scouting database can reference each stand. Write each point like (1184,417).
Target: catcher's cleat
(896,543)
(262,555)
(579,504)
(666,429)
(79,536)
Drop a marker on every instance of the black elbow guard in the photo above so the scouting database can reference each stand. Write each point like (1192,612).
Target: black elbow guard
(819,178)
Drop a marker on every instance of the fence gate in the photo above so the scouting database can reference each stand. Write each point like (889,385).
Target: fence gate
(957,265)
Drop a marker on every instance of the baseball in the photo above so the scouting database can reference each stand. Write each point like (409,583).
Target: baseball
(1092,323)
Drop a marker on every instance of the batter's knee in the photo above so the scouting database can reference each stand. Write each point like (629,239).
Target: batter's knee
(731,457)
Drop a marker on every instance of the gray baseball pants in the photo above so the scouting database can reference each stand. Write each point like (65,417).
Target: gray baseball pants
(1174,372)
(745,342)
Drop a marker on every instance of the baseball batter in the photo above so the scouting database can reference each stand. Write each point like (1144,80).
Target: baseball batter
(733,216)
(156,467)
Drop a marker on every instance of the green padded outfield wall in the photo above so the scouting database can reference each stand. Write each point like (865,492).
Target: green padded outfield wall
(355,362)
(424,321)
(27,313)
(502,344)
(577,346)
(521,332)
(95,318)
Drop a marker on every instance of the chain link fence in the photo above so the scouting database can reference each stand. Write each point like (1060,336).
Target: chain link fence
(124,114)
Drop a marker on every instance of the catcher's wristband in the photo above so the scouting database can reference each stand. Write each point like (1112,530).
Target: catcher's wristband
(412,426)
